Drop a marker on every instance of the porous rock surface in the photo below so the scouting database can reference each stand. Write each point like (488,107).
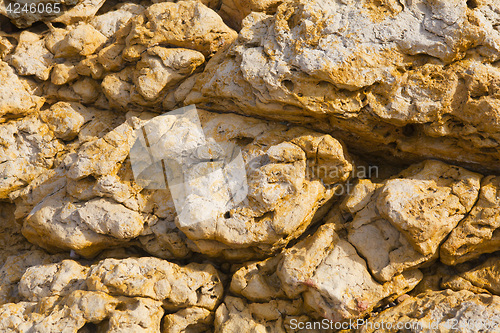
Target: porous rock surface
(409,78)
(443,311)
(252,212)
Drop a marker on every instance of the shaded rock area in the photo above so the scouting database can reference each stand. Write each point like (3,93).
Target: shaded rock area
(249,166)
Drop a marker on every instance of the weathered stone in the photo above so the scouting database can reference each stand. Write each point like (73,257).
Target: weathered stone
(234,11)
(327,272)
(58,279)
(103,156)
(65,119)
(400,223)
(484,278)
(444,311)
(17,95)
(6,47)
(159,70)
(27,149)
(83,40)
(192,319)
(58,224)
(178,287)
(71,313)
(383,77)
(236,314)
(165,23)
(109,23)
(161,67)
(82,11)
(13,269)
(64,73)
(31,57)
(479,232)
(289,173)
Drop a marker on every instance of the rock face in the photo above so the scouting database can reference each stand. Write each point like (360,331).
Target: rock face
(97,204)
(383,76)
(400,223)
(324,271)
(478,233)
(64,297)
(481,279)
(325,162)
(445,311)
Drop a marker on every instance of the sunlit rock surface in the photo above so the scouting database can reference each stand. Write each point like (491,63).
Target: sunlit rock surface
(249,165)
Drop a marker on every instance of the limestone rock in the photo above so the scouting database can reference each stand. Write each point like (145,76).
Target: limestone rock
(234,11)
(27,149)
(82,11)
(103,156)
(159,70)
(31,57)
(444,311)
(109,23)
(400,223)
(236,314)
(478,232)
(65,119)
(71,313)
(57,223)
(6,47)
(64,278)
(17,95)
(327,273)
(160,67)
(289,173)
(481,279)
(15,266)
(178,287)
(64,73)
(56,297)
(83,39)
(165,23)
(192,319)
(383,77)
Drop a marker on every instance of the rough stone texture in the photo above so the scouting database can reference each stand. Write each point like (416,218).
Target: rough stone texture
(164,23)
(28,148)
(384,76)
(234,11)
(327,273)
(479,232)
(13,269)
(236,314)
(127,292)
(443,311)
(178,287)
(192,319)
(71,313)
(400,223)
(397,81)
(31,57)
(481,279)
(159,70)
(17,94)
(96,204)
